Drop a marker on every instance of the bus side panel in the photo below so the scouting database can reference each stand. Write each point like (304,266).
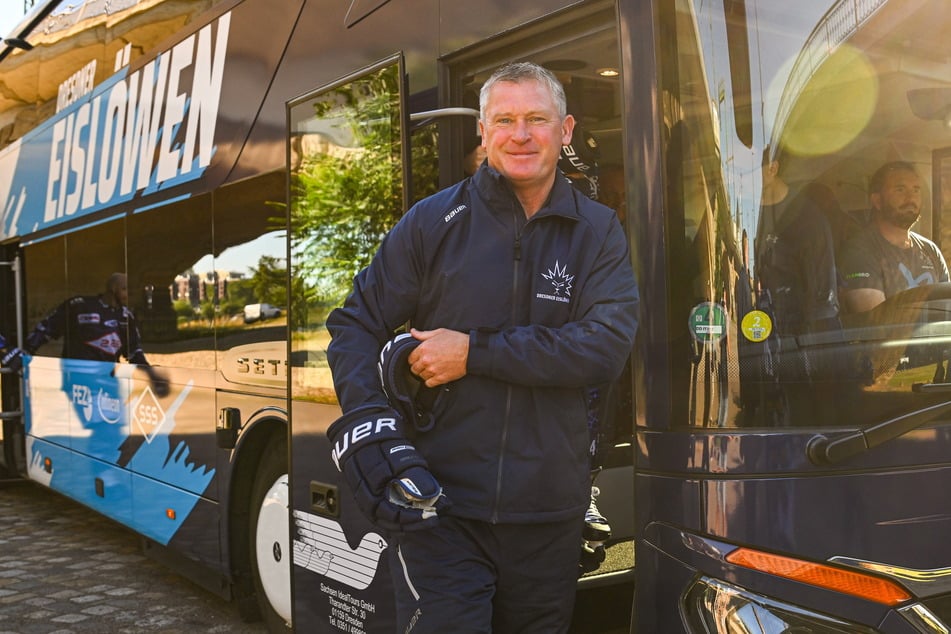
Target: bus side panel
(156,511)
(90,425)
(79,478)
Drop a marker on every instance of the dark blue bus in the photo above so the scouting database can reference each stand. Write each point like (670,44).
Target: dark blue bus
(778,447)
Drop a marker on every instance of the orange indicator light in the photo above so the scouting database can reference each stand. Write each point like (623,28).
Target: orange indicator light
(170,513)
(847,581)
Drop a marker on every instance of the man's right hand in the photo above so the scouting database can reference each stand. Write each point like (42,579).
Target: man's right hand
(441,357)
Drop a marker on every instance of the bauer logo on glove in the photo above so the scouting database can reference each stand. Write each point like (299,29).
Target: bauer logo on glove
(388,477)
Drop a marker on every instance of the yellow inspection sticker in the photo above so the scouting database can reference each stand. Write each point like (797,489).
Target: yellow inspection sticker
(756,325)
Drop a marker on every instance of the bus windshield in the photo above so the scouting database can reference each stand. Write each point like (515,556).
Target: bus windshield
(806,177)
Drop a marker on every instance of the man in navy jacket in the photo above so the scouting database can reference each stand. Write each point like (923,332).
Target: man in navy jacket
(521,292)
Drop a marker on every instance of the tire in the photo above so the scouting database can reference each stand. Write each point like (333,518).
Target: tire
(269,536)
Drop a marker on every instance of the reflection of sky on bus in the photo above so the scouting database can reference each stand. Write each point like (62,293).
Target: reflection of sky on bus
(11,12)
(243,257)
(777,33)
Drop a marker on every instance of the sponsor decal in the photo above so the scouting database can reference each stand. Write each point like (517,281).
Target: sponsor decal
(110,407)
(82,398)
(148,414)
(110,343)
(321,547)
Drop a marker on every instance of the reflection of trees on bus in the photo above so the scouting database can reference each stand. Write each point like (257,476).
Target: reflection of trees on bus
(347,183)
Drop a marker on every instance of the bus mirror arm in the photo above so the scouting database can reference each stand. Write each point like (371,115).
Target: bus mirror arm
(822,450)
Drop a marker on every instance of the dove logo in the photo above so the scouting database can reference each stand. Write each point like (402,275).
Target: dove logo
(361,432)
(321,547)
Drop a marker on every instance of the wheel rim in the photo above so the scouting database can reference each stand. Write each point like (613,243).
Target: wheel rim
(271,548)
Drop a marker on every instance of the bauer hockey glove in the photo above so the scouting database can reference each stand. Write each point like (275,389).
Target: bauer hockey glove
(389,479)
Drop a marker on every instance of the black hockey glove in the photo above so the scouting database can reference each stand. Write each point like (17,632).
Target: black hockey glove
(12,359)
(406,392)
(389,479)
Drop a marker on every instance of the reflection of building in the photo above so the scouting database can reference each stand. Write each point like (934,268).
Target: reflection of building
(199,287)
(29,96)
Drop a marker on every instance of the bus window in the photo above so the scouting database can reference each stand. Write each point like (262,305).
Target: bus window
(169,287)
(45,282)
(771,146)
(63,267)
(346,192)
(250,265)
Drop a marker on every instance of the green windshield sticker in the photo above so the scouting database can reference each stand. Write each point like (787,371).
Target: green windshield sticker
(708,322)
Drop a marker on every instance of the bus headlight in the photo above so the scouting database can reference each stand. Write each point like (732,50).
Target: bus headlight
(712,606)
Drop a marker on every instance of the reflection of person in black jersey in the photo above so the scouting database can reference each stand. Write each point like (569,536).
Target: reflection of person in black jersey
(887,257)
(97,328)
(795,261)
(797,286)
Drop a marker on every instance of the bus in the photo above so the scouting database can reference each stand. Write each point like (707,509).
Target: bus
(776,460)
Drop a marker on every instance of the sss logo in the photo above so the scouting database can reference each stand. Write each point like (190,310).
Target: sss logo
(148,415)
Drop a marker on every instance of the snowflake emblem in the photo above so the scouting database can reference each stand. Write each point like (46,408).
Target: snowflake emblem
(560,280)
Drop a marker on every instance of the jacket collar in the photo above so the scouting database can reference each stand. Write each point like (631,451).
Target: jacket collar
(495,189)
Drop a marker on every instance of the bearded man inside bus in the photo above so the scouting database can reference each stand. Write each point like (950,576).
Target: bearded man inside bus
(521,293)
(887,257)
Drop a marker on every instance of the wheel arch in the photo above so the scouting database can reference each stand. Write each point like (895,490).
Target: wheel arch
(257,433)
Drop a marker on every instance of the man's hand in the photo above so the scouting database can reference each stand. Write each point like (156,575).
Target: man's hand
(441,357)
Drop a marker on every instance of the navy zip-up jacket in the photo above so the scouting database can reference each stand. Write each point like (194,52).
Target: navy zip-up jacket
(550,306)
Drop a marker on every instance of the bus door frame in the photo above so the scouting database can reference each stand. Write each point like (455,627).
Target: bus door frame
(11,432)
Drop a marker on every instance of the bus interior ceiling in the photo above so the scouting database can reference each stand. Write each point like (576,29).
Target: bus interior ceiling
(906,50)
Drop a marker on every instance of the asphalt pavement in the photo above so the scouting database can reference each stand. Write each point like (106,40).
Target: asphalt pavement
(64,570)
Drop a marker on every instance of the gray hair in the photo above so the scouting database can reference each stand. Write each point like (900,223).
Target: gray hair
(517,72)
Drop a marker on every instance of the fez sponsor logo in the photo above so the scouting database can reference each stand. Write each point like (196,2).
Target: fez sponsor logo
(560,284)
(88,318)
(82,398)
(153,128)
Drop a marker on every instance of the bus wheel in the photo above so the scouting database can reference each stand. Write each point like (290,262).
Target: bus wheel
(270,550)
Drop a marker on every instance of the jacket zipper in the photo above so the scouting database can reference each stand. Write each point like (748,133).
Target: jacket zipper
(517,257)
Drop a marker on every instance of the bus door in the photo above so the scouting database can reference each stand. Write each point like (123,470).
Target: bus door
(581,47)
(797,461)
(345,155)
(11,430)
